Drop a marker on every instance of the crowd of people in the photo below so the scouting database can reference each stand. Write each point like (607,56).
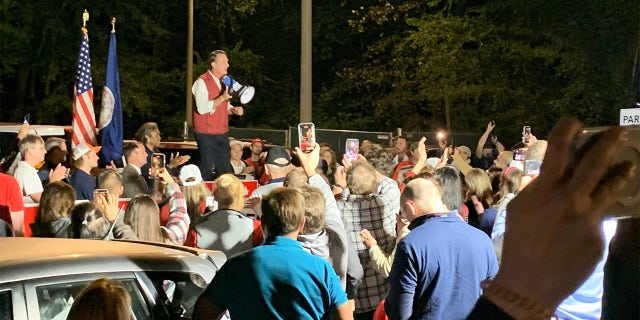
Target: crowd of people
(480,233)
(379,236)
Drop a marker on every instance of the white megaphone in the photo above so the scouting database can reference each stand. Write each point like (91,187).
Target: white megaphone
(237,90)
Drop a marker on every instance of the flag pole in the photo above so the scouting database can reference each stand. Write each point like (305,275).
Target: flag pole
(111,113)
(85,18)
(83,121)
(189,80)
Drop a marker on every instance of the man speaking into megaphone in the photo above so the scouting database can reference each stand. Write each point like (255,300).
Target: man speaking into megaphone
(211,117)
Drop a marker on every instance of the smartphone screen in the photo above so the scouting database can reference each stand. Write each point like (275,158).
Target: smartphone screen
(352,148)
(158,161)
(526,134)
(306,136)
(100,196)
(532,167)
(518,154)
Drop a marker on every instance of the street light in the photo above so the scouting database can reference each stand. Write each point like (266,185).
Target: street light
(189,102)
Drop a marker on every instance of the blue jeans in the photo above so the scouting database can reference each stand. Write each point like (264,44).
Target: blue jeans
(214,155)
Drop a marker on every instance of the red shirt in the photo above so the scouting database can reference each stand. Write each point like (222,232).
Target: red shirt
(399,166)
(10,197)
(258,172)
(257,166)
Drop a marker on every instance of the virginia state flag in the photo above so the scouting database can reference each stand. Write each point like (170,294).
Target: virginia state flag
(111,113)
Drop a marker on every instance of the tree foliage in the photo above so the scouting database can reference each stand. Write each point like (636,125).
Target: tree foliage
(459,64)
(377,65)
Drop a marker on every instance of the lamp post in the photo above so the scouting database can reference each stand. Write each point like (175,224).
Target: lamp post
(189,102)
(305,61)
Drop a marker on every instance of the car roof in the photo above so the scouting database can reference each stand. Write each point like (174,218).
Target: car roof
(41,130)
(27,258)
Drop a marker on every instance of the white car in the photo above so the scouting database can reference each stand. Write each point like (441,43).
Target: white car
(9,144)
(39,277)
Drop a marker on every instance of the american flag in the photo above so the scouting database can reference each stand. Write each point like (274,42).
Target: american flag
(84,118)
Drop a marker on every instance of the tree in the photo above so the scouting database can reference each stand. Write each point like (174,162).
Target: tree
(378,65)
(459,64)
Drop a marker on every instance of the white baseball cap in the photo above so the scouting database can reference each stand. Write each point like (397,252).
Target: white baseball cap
(238,142)
(82,149)
(190,175)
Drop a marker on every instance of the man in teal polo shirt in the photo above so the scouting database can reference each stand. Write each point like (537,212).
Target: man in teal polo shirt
(277,280)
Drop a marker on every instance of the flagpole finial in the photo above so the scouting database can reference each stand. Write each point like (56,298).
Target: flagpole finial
(85,17)
(113,24)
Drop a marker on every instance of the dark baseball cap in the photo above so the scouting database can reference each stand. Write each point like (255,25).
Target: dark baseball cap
(278,156)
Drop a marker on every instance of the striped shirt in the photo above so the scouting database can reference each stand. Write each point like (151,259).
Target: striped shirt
(178,224)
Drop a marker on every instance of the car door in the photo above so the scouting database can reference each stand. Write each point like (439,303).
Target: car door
(12,302)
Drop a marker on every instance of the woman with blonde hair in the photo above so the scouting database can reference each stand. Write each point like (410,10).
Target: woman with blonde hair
(195,192)
(143,215)
(102,299)
(510,185)
(226,229)
(479,198)
(52,218)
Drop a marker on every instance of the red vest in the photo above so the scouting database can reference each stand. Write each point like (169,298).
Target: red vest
(218,121)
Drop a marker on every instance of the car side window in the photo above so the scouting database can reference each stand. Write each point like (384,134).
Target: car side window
(6,305)
(55,300)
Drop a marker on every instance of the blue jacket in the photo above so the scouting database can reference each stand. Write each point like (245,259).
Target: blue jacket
(438,268)
(83,183)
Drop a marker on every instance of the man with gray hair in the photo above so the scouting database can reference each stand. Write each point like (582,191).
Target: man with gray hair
(439,265)
(55,142)
(33,151)
(369,201)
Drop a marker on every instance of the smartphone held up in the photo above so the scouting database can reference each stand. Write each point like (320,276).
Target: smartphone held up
(158,162)
(100,196)
(306,136)
(526,134)
(351,149)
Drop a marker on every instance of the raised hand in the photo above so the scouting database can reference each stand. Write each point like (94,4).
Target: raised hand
(310,160)
(367,238)
(58,173)
(177,160)
(477,204)
(490,126)
(553,232)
